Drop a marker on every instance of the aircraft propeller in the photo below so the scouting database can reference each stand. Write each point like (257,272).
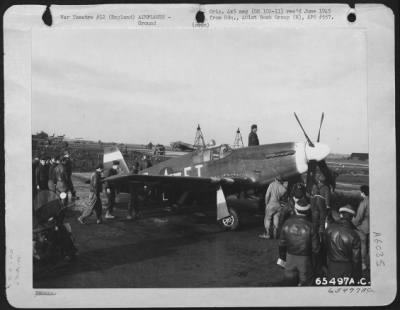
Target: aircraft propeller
(320,125)
(312,163)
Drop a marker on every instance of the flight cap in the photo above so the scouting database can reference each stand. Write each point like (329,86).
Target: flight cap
(347,208)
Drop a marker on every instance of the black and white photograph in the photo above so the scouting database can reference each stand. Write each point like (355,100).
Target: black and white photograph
(205,155)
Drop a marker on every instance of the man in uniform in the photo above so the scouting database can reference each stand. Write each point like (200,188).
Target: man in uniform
(52,179)
(68,167)
(42,175)
(298,191)
(133,199)
(110,190)
(314,205)
(253,138)
(145,163)
(343,246)
(61,177)
(35,164)
(94,200)
(276,190)
(297,246)
(361,221)
(323,198)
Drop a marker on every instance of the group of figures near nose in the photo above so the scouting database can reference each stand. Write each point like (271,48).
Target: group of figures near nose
(314,239)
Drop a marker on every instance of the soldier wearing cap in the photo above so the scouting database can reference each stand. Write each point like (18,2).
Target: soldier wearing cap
(343,246)
(276,190)
(253,138)
(297,246)
(111,190)
(42,175)
(94,200)
(361,221)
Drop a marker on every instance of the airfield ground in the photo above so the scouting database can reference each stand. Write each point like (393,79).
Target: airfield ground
(165,248)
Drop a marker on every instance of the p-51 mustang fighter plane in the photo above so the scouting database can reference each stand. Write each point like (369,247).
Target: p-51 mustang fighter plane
(224,170)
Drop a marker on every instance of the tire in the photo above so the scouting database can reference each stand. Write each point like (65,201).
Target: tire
(230,223)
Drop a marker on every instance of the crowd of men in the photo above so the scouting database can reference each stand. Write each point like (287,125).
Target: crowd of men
(315,240)
(53,174)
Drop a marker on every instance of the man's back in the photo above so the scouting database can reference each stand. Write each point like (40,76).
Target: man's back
(274,193)
(361,220)
(342,242)
(253,139)
(60,173)
(299,237)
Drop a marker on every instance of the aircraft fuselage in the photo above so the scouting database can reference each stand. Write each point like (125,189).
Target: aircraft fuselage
(259,164)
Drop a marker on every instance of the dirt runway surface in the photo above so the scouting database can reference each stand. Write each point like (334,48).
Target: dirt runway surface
(165,249)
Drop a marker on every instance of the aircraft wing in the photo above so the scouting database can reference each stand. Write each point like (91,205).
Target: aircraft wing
(184,183)
(181,182)
(165,181)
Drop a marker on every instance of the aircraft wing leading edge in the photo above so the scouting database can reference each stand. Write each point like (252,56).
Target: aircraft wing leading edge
(183,183)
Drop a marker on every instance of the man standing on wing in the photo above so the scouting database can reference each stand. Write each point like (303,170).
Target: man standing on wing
(253,138)
(111,190)
(297,246)
(343,246)
(276,190)
(361,221)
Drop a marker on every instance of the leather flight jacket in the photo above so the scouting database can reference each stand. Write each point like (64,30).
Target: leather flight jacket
(298,237)
(343,243)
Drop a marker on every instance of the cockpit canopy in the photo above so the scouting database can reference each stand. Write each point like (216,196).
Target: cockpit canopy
(213,153)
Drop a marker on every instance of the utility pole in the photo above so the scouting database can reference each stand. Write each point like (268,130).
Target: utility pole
(199,139)
(238,143)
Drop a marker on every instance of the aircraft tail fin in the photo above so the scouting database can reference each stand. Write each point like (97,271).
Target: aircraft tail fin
(113,153)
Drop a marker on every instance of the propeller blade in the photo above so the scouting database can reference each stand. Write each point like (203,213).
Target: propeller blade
(320,125)
(305,134)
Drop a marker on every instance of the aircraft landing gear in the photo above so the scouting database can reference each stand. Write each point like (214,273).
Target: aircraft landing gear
(231,222)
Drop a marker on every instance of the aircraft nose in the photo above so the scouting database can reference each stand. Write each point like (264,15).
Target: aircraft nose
(318,152)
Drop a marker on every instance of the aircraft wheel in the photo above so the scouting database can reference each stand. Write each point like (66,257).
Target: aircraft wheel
(230,222)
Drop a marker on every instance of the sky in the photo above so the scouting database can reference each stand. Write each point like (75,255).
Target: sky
(136,86)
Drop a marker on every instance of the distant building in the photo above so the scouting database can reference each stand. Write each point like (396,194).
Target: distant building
(359,156)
